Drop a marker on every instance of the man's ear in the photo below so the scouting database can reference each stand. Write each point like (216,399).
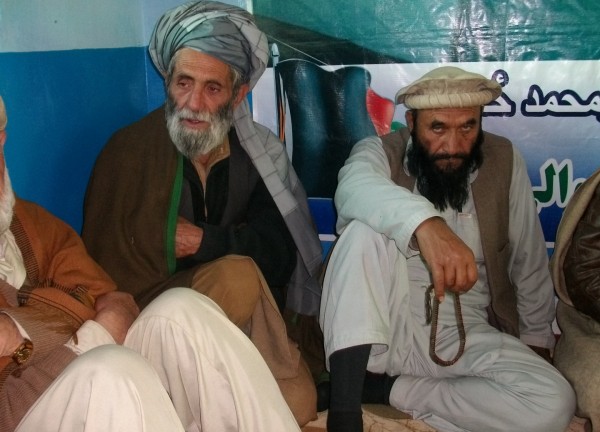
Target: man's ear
(410,120)
(2,137)
(242,93)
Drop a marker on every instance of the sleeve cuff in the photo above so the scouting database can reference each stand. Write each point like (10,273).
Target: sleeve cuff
(215,243)
(19,326)
(90,335)
(539,340)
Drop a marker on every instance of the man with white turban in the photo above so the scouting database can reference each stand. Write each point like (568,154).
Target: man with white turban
(196,194)
(441,209)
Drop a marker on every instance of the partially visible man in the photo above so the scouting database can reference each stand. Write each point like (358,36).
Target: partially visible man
(53,299)
(575,269)
(198,195)
(61,324)
(438,207)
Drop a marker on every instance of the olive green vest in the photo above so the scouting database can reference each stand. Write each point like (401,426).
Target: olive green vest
(491,195)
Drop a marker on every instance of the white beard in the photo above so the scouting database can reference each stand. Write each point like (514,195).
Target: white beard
(193,143)
(7,202)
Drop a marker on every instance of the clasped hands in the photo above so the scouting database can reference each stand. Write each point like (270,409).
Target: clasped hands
(188,238)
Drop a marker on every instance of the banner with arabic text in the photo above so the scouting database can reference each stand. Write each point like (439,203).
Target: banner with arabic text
(550,110)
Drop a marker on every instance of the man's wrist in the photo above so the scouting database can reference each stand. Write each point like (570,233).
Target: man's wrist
(413,243)
(12,335)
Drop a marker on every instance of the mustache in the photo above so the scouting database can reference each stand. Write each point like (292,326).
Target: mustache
(448,156)
(186,113)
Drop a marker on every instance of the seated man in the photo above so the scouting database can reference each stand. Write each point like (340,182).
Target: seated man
(197,195)
(575,267)
(48,289)
(61,320)
(442,204)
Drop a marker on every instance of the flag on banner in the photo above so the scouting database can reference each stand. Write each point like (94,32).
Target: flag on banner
(330,111)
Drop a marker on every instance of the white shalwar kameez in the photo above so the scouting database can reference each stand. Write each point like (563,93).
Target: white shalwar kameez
(197,372)
(374,293)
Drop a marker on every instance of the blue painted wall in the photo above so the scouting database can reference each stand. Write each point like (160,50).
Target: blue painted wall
(62,107)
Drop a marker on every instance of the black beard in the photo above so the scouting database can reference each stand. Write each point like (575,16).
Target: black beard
(443,187)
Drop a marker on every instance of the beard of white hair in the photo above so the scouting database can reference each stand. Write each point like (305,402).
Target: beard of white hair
(7,203)
(193,143)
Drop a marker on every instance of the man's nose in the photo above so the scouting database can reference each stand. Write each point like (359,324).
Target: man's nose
(195,101)
(452,143)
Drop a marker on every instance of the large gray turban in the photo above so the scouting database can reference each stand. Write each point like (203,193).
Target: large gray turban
(225,32)
(449,87)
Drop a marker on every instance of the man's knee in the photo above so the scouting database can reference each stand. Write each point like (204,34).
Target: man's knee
(550,407)
(175,301)
(561,407)
(358,245)
(233,282)
(111,363)
(360,232)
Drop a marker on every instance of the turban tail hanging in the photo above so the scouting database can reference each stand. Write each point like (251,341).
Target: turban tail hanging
(225,32)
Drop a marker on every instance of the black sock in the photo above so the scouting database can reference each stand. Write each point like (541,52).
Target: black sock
(347,370)
(342,421)
(377,388)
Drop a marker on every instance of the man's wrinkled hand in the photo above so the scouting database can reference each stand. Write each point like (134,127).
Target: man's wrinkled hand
(10,337)
(187,238)
(116,311)
(450,261)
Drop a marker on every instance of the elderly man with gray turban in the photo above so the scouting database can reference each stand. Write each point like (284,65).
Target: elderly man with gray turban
(77,355)
(197,195)
(441,210)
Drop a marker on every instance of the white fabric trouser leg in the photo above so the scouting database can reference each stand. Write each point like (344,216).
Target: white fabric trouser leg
(499,384)
(217,379)
(109,388)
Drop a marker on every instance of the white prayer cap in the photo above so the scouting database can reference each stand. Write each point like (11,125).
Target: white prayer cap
(448,87)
